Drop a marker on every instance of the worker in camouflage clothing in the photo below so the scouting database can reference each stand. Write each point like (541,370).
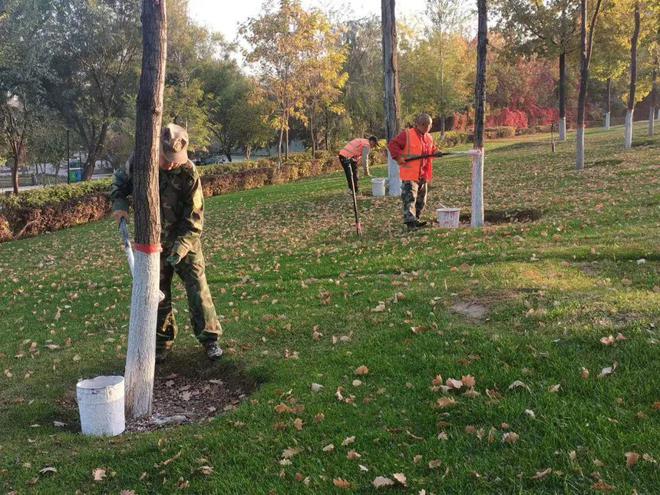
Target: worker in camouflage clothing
(182,219)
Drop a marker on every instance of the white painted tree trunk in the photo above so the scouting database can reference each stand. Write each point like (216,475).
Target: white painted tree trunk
(628,130)
(393,172)
(607,121)
(562,129)
(651,122)
(141,353)
(477,217)
(657,115)
(579,160)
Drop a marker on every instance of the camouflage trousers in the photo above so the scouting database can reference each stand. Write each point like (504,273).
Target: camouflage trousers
(413,196)
(203,318)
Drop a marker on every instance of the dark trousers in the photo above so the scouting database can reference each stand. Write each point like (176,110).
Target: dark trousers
(203,318)
(351,171)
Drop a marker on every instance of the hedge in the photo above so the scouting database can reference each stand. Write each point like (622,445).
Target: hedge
(45,210)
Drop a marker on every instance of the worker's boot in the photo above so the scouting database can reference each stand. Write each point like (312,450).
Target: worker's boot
(421,224)
(412,226)
(213,350)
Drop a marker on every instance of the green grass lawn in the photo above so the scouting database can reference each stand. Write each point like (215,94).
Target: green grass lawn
(291,280)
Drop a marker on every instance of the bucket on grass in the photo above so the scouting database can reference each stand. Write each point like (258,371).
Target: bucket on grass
(378,186)
(101,405)
(448,218)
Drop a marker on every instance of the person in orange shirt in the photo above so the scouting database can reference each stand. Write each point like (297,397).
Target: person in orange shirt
(354,152)
(415,174)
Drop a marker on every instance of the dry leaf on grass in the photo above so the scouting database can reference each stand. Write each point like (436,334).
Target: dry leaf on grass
(290,452)
(348,441)
(510,437)
(631,459)
(380,308)
(435,464)
(444,402)
(316,387)
(519,384)
(401,478)
(584,373)
(608,370)
(469,381)
(362,370)
(382,482)
(98,474)
(607,340)
(352,455)
(542,474)
(205,470)
(341,483)
(329,448)
(601,486)
(454,384)
(553,389)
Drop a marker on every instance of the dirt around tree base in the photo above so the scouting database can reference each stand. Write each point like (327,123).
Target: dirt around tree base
(181,399)
(493,217)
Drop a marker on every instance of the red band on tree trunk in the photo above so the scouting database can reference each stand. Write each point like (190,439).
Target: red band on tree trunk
(148,248)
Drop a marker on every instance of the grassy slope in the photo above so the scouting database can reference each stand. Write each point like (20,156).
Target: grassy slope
(553,287)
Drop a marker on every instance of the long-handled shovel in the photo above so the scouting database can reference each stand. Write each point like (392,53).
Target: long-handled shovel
(440,154)
(358,225)
(123,229)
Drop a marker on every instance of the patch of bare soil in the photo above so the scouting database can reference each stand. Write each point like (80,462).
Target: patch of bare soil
(181,399)
(470,309)
(492,217)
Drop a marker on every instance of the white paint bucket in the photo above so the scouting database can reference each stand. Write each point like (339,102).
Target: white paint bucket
(378,186)
(101,405)
(448,218)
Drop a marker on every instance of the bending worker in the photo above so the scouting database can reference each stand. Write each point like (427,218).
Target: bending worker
(355,151)
(182,219)
(415,174)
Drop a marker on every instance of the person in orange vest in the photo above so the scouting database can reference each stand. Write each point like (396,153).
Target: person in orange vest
(354,152)
(416,174)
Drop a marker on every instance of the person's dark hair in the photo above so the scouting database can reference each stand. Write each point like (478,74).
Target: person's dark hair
(373,139)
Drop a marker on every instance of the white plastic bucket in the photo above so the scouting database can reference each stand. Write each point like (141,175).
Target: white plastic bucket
(378,186)
(101,405)
(448,218)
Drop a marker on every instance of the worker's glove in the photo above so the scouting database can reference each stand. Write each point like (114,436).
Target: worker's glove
(119,214)
(173,259)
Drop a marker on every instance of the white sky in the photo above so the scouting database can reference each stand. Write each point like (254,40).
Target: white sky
(225,15)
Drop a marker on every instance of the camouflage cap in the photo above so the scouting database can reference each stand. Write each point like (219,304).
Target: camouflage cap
(174,143)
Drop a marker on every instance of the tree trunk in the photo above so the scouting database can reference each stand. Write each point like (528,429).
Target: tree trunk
(280,146)
(477,219)
(633,81)
(14,173)
(562,96)
(392,99)
(311,135)
(93,152)
(442,126)
(654,92)
(248,151)
(608,104)
(140,356)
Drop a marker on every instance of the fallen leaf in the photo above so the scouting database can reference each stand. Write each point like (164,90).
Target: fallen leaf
(454,384)
(608,370)
(401,478)
(530,413)
(319,417)
(469,381)
(48,470)
(352,455)
(380,308)
(341,483)
(290,452)
(553,389)
(435,464)
(205,470)
(98,474)
(601,486)
(382,482)
(542,474)
(607,340)
(348,441)
(631,459)
(444,402)
(329,448)
(362,370)
(316,387)
(298,424)
(584,374)
(519,384)
(510,437)
(437,381)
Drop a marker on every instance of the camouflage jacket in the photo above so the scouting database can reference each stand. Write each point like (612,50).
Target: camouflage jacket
(181,205)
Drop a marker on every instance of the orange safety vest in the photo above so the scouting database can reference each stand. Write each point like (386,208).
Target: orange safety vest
(416,145)
(354,149)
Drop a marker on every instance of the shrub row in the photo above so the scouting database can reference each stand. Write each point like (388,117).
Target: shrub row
(45,210)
